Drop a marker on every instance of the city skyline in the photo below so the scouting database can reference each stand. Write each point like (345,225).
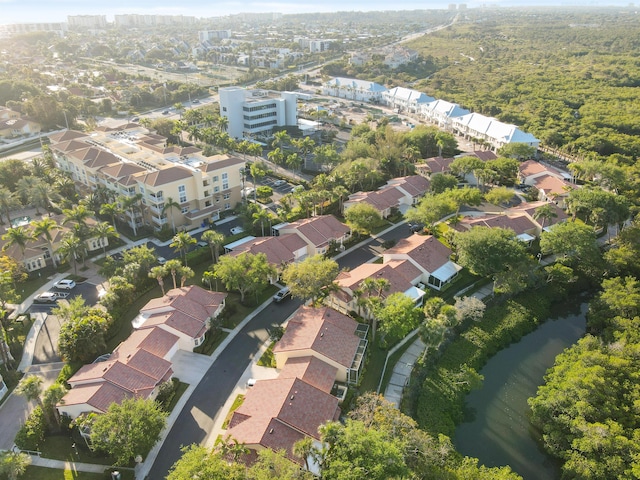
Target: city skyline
(30,11)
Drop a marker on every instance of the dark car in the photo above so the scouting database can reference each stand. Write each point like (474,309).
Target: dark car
(165,112)
(415,227)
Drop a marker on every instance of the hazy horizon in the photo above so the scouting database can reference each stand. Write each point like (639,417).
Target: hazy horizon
(31,11)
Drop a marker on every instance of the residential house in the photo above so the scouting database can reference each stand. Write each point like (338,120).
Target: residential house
(136,368)
(400,193)
(552,184)
(13,125)
(185,312)
(317,233)
(497,134)
(131,160)
(442,113)
(279,412)
(353,89)
(405,99)
(434,165)
(328,335)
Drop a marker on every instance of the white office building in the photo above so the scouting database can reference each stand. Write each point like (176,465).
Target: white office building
(257,112)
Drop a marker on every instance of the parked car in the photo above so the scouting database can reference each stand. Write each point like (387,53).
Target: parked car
(282,294)
(65,284)
(46,297)
(236,230)
(279,183)
(162,260)
(201,244)
(251,382)
(135,119)
(195,100)
(415,227)
(165,112)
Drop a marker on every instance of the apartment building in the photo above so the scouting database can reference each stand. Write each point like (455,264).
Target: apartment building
(257,112)
(131,160)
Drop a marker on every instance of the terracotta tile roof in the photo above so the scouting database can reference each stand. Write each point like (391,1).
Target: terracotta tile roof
(425,251)
(274,248)
(69,146)
(129,378)
(165,176)
(97,395)
(218,162)
(484,155)
(399,273)
(519,223)
(122,170)
(529,208)
(186,309)
(319,230)
(414,185)
(144,362)
(312,370)
(439,164)
(66,136)
(380,199)
(278,412)
(321,330)
(551,185)
(157,341)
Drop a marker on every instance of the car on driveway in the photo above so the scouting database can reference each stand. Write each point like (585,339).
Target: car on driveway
(65,284)
(415,227)
(162,260)
(46,297)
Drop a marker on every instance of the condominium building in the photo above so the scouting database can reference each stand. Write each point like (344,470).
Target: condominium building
(257,112)
(131,160)
(87,21)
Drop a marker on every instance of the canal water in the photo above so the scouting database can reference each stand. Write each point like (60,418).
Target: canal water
(498,432)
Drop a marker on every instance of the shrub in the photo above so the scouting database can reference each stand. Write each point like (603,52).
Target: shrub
(31,434)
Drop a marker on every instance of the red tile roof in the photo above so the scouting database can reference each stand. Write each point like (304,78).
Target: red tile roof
(275,248)
(439,164)
(399,273)
(312,370)
(319,230)
(519,223)
(425,251)
(321,330)
(97,395)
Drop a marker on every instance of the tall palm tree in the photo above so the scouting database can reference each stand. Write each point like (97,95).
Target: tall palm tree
(43,228)
(51,397)
(111,209)
(181,243)
(24,189)
(223,123)
(79,214)
(159,272)
(257,172)
(14,464)
(215,240)
(373,286)
(42,194)
(185,274)
(341,192)
(259,217)
(103,231)
(170,204)
(545,212)
(8,201)
(71,249)
(302,449)
(30,387)
(208,277)
(129,204)
(20,236)
(173,267)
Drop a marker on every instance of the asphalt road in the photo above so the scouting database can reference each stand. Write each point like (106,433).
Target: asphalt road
(198,415)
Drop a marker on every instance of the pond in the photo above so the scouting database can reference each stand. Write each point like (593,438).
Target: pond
(499,432)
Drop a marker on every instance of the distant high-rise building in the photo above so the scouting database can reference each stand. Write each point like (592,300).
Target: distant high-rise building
(87,21)
(19,28)
(134,20)
(208,35)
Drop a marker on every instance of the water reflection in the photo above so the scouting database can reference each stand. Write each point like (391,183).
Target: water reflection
(498,432)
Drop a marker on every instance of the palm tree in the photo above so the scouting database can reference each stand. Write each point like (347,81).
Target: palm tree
(14,464)
(223,123)
(79,214)
(371,286)
(170,204)
(173,267)
(257,171)
(51,397)
(71,248)
(17,236)
(208,277)
(294,162)
(545,212)
(42,194)
(43,228)
(8,202)
(302,449)
(341,192)
(111,209)
(259,217)
(280,139)
(24,188)
(103,231)
(159,272)
(129,203)
(185,274)
(181,243)
(215,240)
(30,387)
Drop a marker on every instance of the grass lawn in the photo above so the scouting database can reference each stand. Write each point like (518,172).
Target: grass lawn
(182,387)
(267,359)
(42,473)
(35,281)
(60,447)
(212,339)
(373,369)
(236,404)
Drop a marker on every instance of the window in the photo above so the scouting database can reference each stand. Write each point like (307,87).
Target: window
(225,176)
(206,193)
(227,206)
(227,196)
(225,186)
(184,210)
(215,178)
(182,192)
(216,189)
(217,199)
(207,203)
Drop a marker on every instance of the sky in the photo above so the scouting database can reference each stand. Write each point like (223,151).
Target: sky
(29,11)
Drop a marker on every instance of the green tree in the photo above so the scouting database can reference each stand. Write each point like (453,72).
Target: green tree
(111,210)
(362,218)
(246,273)
(128,429)
(181,243)
(173,267)
(499,195)
(575,244)
(30,387)
(169,205)
(311,277)
(43,228)
(14,464)
(215,241)
(159,272)
(82,339)
(398,315)
(489,251)
(441,182)
(431,209)
(71,249)
(103,232)
(8,201)
(516,150)
(200,462)
(19,236)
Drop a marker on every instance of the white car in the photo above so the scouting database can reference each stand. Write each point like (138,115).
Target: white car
(236,230)
(65,284)
(279,183)
(282,294)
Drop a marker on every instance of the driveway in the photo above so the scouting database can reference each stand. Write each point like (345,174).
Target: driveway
(197,418)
